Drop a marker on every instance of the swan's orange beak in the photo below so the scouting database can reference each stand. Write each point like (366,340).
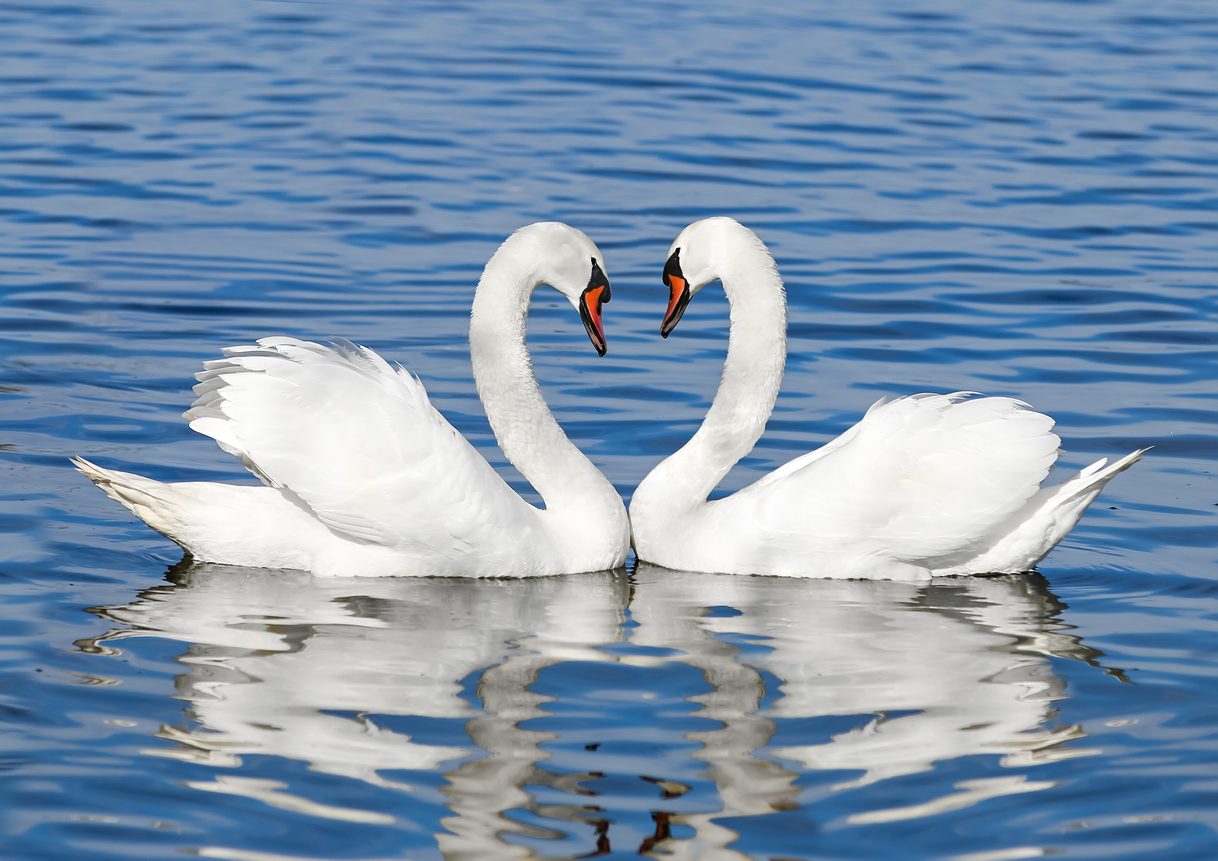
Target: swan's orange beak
(590,305)
(678,293)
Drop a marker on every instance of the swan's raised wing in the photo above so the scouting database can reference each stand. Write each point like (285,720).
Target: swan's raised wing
(924,476)
(358,444)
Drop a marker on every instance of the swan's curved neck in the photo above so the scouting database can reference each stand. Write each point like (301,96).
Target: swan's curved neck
(518,415)
(752,374)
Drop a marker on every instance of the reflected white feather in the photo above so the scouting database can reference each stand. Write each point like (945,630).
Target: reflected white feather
(287,666)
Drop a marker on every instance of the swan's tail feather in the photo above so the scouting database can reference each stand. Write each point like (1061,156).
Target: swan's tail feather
(1048,517)
(149,500)
(1091,479)
(213,522)
(1067,501)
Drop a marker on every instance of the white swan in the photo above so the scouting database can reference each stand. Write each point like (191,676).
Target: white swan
(925,485)
(364,477)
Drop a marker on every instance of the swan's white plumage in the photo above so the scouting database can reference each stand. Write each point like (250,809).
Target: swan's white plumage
(364,477)
(358,444)
(927,473)
(924,485)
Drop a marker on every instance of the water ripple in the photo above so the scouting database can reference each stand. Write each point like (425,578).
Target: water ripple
(1013,198)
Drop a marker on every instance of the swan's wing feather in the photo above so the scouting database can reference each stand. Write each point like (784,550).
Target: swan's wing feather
(354,441)
(922,475)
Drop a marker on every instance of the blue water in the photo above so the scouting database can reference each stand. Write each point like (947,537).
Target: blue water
(1019,198)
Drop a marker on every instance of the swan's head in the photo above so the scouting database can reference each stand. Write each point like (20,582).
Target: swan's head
(704,252)
(570,262)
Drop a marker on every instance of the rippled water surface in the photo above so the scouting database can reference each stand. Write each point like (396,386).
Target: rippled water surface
(1019,198)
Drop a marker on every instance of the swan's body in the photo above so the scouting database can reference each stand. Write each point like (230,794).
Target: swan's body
(364,477)
(927,485)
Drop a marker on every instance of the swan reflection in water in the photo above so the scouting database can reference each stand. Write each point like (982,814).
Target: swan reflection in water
(282,664)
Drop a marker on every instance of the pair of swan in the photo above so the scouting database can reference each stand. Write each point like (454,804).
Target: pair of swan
(362,476)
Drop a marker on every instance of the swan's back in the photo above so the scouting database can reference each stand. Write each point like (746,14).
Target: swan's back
(918,478)
(358,445)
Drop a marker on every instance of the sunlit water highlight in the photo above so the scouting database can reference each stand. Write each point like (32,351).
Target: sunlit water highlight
(1011,198)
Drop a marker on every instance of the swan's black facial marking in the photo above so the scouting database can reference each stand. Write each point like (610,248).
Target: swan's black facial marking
(678,293)
(590,303)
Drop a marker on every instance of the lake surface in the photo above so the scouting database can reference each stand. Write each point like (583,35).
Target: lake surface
(1016,198)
